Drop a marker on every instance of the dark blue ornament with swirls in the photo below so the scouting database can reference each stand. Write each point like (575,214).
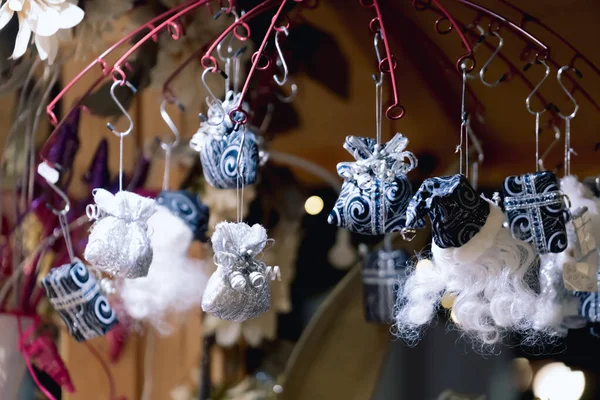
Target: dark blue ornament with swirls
(376,191)
(536,211)
(456,211)
(188,207)
(219,157)
(76,296)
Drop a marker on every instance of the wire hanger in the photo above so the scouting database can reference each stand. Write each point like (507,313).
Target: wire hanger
(168,146)
(480,154)
(212,101)
(110,126)
(537,113)
(550,147)
(51,177)
(489,61)
(568,118)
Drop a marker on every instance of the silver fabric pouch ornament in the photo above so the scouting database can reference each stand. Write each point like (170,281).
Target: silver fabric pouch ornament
(239,290)
(119,242)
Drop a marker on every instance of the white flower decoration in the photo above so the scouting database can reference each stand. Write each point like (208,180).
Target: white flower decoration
(45,19)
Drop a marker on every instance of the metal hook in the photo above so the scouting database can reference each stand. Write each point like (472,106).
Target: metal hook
(123,110)
(215,102)
(167,118)
(568,93)
(550,147)
(281,60)
(488,62)
(377,53)
(291,96)
(535,89)
(478,43)
(51,176)
(230,36)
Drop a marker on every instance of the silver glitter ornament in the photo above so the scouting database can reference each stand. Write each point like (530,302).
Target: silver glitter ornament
(119,243)
(236,245)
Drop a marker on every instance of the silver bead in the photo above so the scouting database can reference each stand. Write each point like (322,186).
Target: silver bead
(257,279)
(237,280)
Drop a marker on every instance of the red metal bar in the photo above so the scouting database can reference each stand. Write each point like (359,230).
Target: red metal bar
(237,111)
(100,60)
(208,61)
(170,24)
(530,18)
(107,71)
(469,54)
(395,111)
(519,30)
(545,49)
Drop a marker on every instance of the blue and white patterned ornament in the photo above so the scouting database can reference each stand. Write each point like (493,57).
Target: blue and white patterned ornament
(536,211)
(383,273)
(376,191)
(188,207)
(456,211)
(75,294)
(219,146)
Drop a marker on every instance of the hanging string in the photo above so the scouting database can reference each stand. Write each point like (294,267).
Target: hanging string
(378,106)
(567,146)
(464,116)
(64,226)
(167,148)
(537,142)
(240,179)
(121,162)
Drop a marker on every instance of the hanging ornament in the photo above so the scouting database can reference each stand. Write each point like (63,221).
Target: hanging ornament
(119,242)
(376,191)
(536,211)
(76,296)
(383,271)
(188,207)
(584,235)
(475,261)
(219,146)
(175,282)
(239,289)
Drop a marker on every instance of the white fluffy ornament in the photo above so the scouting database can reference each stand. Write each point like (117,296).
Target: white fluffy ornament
(239,290)
(487,273)
(561,306)
(175,282)
(119,244)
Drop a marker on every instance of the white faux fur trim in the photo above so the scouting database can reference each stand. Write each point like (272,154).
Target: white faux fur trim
(474,248)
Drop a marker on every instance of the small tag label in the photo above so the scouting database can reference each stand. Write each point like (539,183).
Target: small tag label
(48,173)
(580,277)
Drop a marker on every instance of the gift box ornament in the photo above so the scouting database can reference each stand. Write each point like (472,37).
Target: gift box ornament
(238,290)
(456,211)
(376,191)
(188,207)
(590,305)
(536,211)
(75,294)
(229,157)
(580,273)
(223,165)
(119,243)
(383,272)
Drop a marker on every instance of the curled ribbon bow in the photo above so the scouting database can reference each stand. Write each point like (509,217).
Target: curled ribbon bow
(382,161)
(236,247)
